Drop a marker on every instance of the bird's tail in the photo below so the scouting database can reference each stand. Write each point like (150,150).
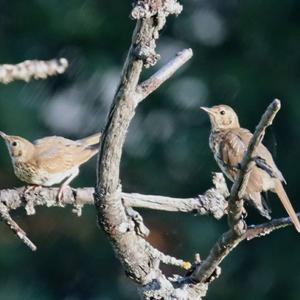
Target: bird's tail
(287,204)
(91,140)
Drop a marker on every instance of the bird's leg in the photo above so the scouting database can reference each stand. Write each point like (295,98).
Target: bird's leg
(60,195)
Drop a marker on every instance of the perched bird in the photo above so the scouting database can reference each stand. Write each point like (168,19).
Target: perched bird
(228,142)
(50,160)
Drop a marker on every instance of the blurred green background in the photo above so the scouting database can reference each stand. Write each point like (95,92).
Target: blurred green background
(246,53)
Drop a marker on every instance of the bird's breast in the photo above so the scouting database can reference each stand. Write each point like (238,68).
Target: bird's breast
(215,142)
(31,174)
(25,171)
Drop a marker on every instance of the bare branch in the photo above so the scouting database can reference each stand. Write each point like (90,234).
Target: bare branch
(37,69)
(18,231)
(230,239)
(129,246)
(213,201)
(159,256)
(260,230)
(145,42)
(148,86)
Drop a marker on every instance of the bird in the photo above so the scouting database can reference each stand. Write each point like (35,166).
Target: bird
(49,160)
(228,142)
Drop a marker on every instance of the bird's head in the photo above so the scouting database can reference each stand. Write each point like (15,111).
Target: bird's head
(19,149)
(222,117)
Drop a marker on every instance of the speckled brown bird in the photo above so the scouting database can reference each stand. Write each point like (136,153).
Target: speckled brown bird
(228,142)
(50,160)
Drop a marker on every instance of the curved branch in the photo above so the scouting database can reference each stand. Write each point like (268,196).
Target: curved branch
(129,246)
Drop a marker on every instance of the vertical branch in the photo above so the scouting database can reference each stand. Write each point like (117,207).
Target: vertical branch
(129,247)
(110,211)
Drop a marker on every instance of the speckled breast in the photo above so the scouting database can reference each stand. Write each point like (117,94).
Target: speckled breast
(215,142)
(28,173)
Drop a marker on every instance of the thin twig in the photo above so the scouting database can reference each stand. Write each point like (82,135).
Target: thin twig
(254,231)
(18,231)
(166,259)
(148,86)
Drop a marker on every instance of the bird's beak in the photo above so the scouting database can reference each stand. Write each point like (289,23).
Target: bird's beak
(206,109)
(3,135)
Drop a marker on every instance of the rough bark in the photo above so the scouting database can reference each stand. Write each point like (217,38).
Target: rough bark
(36,69)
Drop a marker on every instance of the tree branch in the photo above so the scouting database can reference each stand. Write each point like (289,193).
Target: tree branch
(148,86)
(213,201)
(260,230)
(129,246)
(17,230)
(37,69)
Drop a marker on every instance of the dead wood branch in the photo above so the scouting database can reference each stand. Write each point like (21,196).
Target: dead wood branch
(37,69)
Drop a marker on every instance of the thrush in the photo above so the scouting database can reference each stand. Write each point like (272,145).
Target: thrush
(228,142)
(50,160)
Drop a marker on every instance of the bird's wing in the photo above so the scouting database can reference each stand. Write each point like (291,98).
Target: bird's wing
(231,152)
(57,154)
(262,156)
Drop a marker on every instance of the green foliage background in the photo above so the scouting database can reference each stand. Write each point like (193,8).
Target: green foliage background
(245,54)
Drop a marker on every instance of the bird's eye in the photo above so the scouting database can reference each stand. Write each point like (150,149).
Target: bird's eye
(222,112)
(14,144)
